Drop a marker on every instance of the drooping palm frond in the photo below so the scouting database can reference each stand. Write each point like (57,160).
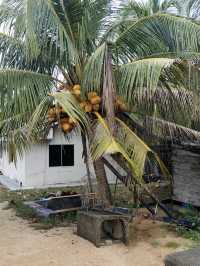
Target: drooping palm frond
(172,131)
(159,33)
(39,122)
(141,74)
(22,90)
(135,9)
(146,8)
(124,142)
(72,108)
(35,21)
(15,143)
(188,8)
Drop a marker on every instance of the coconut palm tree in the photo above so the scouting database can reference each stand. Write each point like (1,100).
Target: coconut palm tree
(188,8)
(50,48)
(133,8)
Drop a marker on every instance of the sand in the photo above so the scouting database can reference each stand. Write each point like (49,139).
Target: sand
(22,245)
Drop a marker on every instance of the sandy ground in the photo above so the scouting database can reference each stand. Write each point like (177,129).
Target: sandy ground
(21,245)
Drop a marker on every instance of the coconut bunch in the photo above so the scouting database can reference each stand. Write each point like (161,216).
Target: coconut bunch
(92,103)
(76,91)
(67,124)
(57,114)
(52,114)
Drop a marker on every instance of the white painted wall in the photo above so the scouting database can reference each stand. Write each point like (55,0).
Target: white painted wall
(14,171)
(34,172)
(38,172)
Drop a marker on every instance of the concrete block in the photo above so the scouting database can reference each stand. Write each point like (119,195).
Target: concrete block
(184,258)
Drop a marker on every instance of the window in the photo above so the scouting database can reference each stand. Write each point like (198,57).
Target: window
(61,155)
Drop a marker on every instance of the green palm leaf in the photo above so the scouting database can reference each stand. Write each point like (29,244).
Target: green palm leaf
(141,74)
(159,33)
(92,76)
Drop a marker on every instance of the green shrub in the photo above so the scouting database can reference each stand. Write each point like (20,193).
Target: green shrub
(193,215)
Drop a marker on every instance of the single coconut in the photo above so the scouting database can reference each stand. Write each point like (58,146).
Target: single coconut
(95,100)
(91,94)
(76,87)
(66,127)
(88,108)
(76,92)
(51,112)
(96,107)
(83,104)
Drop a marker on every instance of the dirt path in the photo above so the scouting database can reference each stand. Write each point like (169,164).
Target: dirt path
(21,245)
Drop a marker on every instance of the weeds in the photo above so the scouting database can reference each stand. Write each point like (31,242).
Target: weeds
(192,215)
(172,244)
(16,200)
(155,243)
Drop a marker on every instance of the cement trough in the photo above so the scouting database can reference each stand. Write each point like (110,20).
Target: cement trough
(56,205)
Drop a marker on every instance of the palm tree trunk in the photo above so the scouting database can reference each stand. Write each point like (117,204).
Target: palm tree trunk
(87,163)
(103,186)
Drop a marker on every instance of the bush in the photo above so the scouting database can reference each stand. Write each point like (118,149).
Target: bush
(193,215)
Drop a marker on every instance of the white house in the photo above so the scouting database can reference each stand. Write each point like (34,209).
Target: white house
(53,162)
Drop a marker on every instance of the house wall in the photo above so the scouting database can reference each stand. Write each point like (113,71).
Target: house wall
(14,171)
(186,176)
(38,172)
(34,172)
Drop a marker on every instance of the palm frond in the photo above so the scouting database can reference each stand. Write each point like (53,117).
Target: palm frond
(92,76)
(159,33)
(15,142)
(124,142)
(140,74)
(72,108)
(172,131)
(22,90)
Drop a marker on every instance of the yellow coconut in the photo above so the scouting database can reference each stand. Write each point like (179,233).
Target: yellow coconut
(96,107)
(52,111)
(95,100)
(76,87)
(66,127)
(76,92)
(91,94)
(88,107)
(120,105)
(83,104)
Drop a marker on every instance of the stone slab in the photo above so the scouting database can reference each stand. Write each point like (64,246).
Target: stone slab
(184,258)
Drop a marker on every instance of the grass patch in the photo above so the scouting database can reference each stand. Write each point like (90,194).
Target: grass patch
(172,244)
(155,243)
(32,194)
(16,201)
(41,223)
(193,215)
